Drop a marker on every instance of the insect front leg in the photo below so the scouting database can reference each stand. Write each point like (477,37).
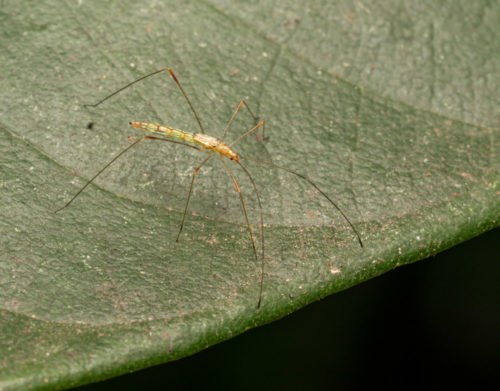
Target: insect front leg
(240,105)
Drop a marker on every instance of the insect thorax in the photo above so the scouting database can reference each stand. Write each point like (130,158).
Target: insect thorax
(216,145)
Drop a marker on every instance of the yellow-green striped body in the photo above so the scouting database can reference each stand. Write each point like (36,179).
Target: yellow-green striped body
(205,141)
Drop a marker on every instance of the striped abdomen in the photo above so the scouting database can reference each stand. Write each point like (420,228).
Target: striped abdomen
(205,141)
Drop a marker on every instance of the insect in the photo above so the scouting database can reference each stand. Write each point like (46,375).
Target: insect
(203,142)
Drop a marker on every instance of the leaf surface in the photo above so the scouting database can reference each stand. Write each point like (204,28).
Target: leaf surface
(102,287)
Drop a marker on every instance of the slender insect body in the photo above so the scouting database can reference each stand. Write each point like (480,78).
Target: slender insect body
(163,130)
(216,145)
(202,141)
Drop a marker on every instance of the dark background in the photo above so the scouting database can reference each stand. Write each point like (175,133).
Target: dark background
(431,325)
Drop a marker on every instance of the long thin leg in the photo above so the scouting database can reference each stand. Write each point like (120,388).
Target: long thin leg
(261,231)
(246,216)
(247,133)
(255,119)
(190,192)
(116,158)
(125,87)
(241,104)
(187,99)
(145,77)
(315,186)
(231,119)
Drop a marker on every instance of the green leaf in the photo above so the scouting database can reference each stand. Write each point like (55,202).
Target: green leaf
(382,108)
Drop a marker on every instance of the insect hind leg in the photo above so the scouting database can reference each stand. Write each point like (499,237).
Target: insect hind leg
(250,233)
